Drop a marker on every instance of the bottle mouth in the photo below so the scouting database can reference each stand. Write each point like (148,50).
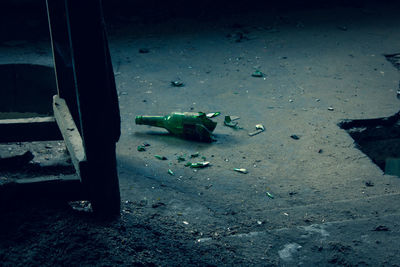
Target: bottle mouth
(139,120)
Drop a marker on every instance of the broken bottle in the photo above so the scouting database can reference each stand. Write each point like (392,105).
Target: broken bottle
(189,125)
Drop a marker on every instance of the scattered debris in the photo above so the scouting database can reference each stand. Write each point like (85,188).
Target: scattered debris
(331,109)
(170,172)
(160,157)
(381,228)
(195,155)
(259,128)
(84,206)
(286,254)
(257,74)
(177,83)
(241,170)
(269,195)
(295,137)
(141,148)
(198,164)
(143,50)
(181,158)
(157,205)
(369,183)
(213,114)
(228,122)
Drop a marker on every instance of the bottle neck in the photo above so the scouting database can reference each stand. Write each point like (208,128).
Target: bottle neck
(157,121)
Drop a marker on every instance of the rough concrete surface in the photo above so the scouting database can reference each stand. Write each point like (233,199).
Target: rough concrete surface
(330,205)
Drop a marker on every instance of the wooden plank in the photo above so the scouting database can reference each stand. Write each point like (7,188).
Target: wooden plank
(70,133)
(29,129)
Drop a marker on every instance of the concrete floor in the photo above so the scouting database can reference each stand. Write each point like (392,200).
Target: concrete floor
(321,66)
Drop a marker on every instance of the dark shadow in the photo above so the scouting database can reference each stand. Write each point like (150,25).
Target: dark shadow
(378,138)
(177,141)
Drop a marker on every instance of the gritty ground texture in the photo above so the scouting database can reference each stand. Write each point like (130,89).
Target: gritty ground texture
(328,203)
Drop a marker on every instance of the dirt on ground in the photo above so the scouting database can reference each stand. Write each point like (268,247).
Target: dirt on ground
(309,196)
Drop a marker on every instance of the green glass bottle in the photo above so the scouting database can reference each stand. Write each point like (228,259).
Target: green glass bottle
(189,125)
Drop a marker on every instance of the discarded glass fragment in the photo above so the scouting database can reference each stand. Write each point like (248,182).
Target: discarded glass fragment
(195,155)
(189,125)
(177,83)
(295,137)
(170,172)
(228,122)
(141,148)
(160,157)
(257,73)
(213,114)
(269,195)
(259,129)
(241,170)
(144,50)
(199,164)
(181,158)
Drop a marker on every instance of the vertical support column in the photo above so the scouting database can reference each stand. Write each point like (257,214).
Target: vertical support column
(97,102)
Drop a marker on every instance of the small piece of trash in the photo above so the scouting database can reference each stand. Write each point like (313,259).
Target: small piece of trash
(160,157)
(269,195)
(241,170)
(381,228)
(369,183)
(228,122)
(257,73)
(177,83)
(295,137)
(259,129)
(286,214)
(141,148)
(331,109)
(198,164)
(213,114)
(200,240)
(259,222)
(185,222)
(170,172)
(195,155)
(145,144)
(143,50)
